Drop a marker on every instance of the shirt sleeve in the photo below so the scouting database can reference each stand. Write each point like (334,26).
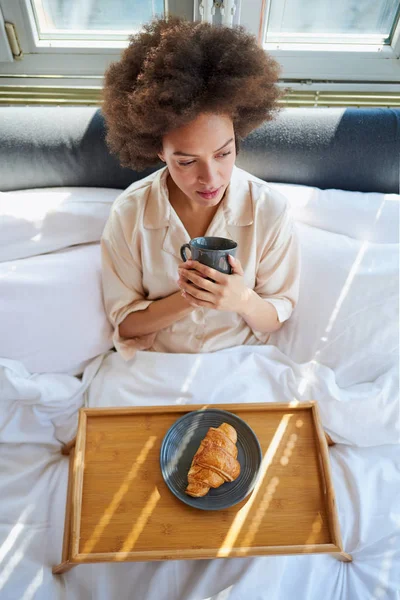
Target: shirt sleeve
(278,274)
(122,284)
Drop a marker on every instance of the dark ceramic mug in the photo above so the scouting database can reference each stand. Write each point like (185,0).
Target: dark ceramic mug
(211,251)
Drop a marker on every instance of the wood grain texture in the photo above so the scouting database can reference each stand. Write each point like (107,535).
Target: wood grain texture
(66,550)
(65,565)
(77,486)
(128,513)
(327,477)
(200,554)
(177,408)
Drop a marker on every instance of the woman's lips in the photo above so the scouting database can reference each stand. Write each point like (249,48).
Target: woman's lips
(209,195)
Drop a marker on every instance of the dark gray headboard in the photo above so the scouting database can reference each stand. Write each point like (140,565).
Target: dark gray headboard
(350,149)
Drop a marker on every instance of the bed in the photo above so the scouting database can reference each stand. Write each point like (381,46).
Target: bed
(340,171)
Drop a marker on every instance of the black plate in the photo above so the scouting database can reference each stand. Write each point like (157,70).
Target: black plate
(181,443)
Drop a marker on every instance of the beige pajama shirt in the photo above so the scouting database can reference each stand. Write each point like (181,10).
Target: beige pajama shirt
(141,253)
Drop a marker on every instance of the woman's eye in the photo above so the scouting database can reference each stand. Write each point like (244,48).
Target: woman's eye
(190,162)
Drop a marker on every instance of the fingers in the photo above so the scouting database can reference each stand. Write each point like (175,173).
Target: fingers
(236,265)
(195,302)
(195,292)
(197,279)
(207,271)
(185,266)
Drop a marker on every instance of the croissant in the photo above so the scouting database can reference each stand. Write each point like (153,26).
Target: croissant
(214,462)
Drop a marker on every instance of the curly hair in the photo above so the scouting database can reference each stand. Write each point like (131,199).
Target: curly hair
(173,71)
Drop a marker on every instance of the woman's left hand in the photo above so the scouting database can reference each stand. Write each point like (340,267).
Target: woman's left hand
(225,292)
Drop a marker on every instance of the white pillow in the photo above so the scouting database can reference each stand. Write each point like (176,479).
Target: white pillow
(362,216)
(36,221)
(51,307)
(347,314)
(33,222)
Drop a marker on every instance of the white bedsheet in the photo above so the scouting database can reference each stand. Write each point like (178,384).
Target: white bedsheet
(38,412)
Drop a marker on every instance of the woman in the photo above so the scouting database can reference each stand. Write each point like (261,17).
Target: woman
(184,93)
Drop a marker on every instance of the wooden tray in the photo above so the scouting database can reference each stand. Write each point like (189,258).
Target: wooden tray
(120,509)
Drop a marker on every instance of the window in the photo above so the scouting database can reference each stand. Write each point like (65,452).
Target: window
(70,43)
(321,44)
(345,22)
(325,41)
(92,19)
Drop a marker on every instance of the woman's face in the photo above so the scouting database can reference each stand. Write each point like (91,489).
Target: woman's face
(200,157)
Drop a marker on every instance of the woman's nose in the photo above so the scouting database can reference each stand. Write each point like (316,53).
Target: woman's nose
(206,176)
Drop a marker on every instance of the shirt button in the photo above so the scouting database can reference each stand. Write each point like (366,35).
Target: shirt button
(198,316)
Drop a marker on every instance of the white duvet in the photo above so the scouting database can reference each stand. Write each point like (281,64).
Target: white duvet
(366,479)
(340,348)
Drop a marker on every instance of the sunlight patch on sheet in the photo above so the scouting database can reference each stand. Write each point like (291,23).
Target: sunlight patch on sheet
(14,533)
(354,269)
(309,377)
(347,285)
(188,381)
(19,554)
(381,588)
(34,585)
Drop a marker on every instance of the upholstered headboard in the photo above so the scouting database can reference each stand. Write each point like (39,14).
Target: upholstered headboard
(349,149)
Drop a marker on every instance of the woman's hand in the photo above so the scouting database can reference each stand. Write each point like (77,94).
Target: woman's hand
(225,292)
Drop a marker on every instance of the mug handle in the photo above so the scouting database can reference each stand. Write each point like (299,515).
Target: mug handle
(183,252)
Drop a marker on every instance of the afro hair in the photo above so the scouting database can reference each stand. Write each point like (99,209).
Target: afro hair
(174,70)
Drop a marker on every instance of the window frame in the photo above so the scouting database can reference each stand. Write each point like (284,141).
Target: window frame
(38,65)
(332,66)
(327,62)
(5,50)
